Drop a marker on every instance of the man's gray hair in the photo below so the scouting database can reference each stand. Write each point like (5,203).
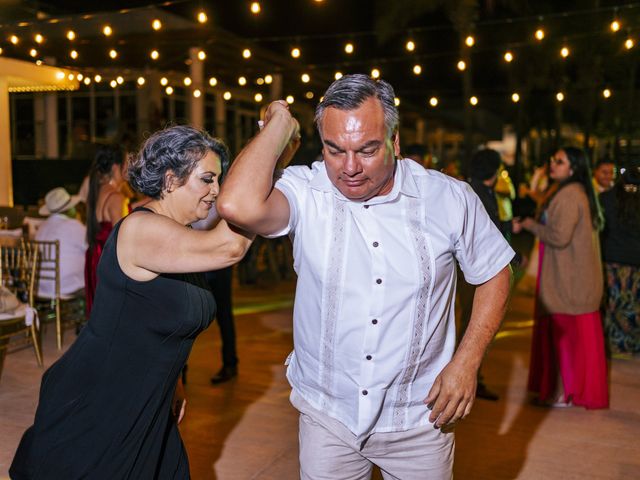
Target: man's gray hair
(351,91)
(177,149)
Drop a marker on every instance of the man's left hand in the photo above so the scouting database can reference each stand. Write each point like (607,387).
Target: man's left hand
(452,394)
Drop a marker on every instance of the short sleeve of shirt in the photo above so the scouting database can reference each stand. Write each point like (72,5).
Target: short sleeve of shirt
(293,184)
(481,250)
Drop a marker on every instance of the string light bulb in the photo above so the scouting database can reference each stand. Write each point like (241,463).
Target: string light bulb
(508,57)
(38,38)
(71,35)
(258,97)
(202,16)
(164,81)
(564,52)
(141,81)
(113,84)
(308,95)
(515,97)
(86,80)
(268,79)
(107,30)
(606,93)
(113,53)
(0,50)
(246,53)
(60,75)
(156,24)
(120,80)
(14,39)
(33,52)
(433,101)
(462,65)
(375,73)
(197,93)
(348,48)
(202,55)
(560,96)
(242,81)
(396,101)
(226,95)
(295,52)
(260,81)
(154,54)
(615,26)
(629,43)
(186,81)
(79,77)
(213,81)
(338,75)
(97,78)
(71,77)
(473,100)
(290,99)
(73,54)
(539,34)
(169,90)
(417,69)
(410,46)
(255,8)
(305,78)
(469,41)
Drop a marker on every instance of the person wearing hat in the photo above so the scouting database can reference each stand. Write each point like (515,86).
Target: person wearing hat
(61,224)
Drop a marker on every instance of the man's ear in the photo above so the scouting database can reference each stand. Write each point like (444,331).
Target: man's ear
(396,144)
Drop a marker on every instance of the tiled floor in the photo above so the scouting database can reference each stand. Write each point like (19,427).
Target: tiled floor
(246,429)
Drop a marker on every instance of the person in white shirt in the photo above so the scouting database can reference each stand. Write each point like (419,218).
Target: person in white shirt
(376,240)
(62,225)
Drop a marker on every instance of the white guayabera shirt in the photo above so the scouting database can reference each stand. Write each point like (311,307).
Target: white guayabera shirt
(374,309)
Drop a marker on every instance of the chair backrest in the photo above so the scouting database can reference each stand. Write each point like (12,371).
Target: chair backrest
(48,262)
(18,267)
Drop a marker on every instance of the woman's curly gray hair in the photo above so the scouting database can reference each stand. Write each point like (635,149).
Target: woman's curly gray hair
(177,149)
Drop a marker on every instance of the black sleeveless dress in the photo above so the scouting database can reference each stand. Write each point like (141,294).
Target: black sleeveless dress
(105,405)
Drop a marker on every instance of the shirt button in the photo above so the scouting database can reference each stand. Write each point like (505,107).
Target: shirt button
(368,357)
(379,281)
(374,321)
(364,392)
(375,244)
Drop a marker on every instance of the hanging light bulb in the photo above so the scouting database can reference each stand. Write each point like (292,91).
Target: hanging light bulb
(213,81)
(348,48)
(86,80)
(469,41)
(71,35)
(473,100)
(202,16)
(71,77)
(154,54)
(564,52)
(38,38)
(120,80)
(164,81)
(295,52)
(107,30)
(169,90)
(187,81)
(305,78)
(246,53)
(260,81)
(539,34)
(433,101)
(79,77)
(255,8)
(226,95)
(197,93)
(508,57)
(606,93)
(33,52)
(375,73)
(290,99)
(113,54)
(258,97)
(156,24)
(268,79)
(461,65)
(60,75)
(73,54)
(113,84)
(141,81)
(338,75)
(308,95)
(410,45)
(515,97)
(417,69)
(629,43)
(97,78)
(615,26)
(560,96)
(242,81)
(14,39)
(396,101)
(202,55)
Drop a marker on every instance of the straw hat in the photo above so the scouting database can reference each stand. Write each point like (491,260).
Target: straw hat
(58,200)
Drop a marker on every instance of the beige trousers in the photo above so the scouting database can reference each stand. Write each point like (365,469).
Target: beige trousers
(329,451)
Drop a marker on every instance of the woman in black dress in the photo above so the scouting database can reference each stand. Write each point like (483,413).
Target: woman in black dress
(105,408)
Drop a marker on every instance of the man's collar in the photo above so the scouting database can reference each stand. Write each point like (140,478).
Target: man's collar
(403,182)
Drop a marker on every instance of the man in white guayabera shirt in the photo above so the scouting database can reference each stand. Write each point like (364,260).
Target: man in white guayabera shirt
(375,241)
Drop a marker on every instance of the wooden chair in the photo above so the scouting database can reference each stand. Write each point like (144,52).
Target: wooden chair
(17,273)
(65,310)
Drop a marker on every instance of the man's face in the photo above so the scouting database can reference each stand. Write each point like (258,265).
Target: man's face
(605,174)
(359,157)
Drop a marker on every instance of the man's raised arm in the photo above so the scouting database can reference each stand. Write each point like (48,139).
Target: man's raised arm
(247,198)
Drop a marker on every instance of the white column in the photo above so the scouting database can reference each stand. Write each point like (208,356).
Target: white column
(52,149)
(6,179)
(196,72)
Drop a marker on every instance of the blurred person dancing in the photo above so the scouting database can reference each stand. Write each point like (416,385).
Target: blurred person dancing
(621,253)
(568,364)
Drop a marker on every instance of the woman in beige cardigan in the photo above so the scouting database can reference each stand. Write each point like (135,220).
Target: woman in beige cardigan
(568,364)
